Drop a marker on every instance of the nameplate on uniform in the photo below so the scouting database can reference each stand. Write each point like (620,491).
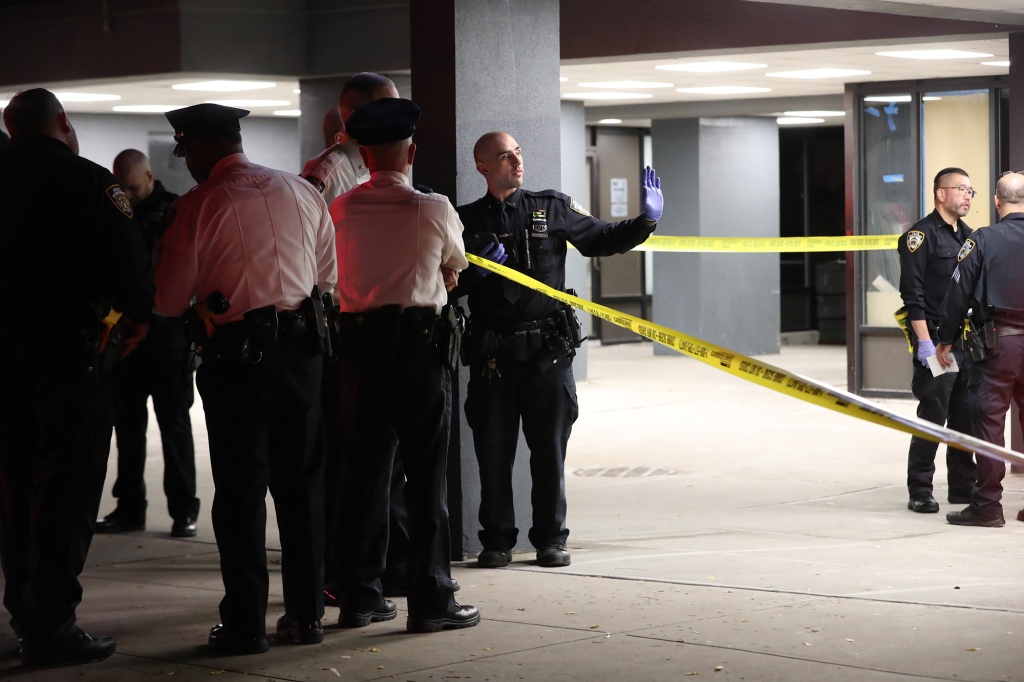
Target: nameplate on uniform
(578,207)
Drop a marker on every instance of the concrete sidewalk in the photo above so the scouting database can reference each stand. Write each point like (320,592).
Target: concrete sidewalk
(718,530)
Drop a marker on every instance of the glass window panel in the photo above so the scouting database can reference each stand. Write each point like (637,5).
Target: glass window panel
(889,198)
(955,132)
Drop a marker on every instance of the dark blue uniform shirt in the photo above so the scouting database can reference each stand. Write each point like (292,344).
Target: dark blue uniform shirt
(927,259)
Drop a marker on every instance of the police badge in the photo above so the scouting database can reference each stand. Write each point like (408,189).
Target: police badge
(120,199)
(965,250)
(914,240)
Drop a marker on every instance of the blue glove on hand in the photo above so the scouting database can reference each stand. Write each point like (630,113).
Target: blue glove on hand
(494,251)
(925,349)
(650,195)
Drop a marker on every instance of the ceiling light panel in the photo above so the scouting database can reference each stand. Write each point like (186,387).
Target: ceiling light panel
(797,120)
(723,90)
(607,95)
(85,97)
(933,54)
(814,114)
(625,85)
(250,102)
(146,108)
(711,67)
(225,86)
(819,73)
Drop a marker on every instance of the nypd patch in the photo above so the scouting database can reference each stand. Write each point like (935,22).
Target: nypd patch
(914,240)
(578,207)
(120,199)
(965,250)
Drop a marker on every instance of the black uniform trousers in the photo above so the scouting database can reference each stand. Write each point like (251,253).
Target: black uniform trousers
(395,405)
(995,382)
(545,399)
(55,427)
(158,367)
(265,430)
(337,485)
(942,400)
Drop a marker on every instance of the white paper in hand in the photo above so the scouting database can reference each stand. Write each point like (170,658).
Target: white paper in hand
(937,369)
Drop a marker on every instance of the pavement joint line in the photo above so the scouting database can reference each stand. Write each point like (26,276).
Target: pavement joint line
(663,555)
(803,659)
(774,590)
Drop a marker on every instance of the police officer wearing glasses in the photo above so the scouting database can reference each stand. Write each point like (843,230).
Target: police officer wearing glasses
(521,342)
(989,280)
(927,258)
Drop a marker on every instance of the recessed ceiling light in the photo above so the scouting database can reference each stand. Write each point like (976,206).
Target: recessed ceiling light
(723,90)
(932,54)
(887,98)
(1005,63)
(814,114)
(562,79)
(146,108)
(288,112)
(85,97)
(797,120)
(250,102)
(296,91)
(625,85)
(607,95)
(930,98)
(610,121)
(819,73)
(711,67)
(224,86)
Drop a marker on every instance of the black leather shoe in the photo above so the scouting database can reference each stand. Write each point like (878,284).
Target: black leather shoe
(457,617)
(494,558)
(291,631)
(224,641)
(71,649)
(184,527)
(966,517)
(1020,515)
(557,555)
(118,521)
(925,504)
(386,610)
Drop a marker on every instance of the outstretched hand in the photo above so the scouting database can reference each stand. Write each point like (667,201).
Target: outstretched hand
(651,197)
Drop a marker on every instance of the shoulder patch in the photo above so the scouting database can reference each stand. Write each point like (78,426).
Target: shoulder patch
(120,199)
(914,240)
(578,207)
(965,250)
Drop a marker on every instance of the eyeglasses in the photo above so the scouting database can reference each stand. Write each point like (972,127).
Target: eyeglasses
(965,190)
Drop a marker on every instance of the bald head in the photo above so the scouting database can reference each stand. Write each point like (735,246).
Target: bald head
(1010,194)
(39,112)
(364,88)
(132,169)
(500,160)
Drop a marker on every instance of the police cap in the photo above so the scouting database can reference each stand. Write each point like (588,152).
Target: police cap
(382,121)
(202,119)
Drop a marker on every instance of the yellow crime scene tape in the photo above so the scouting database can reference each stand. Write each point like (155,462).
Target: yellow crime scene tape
(768,245)
(762,373)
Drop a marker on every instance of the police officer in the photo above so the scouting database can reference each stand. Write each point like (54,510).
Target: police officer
(159,367)
(395,246)
(988,278)
(335,171)
(521,341)
(927,259)
(56,388)
(252,243)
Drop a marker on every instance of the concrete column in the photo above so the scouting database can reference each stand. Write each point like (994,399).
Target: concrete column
(1016,129)
(720,177)
(478,66)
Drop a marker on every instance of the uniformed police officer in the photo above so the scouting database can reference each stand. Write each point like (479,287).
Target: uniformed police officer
(521,341)
(988,278)
(927,259)
(64,217)
(396,247)
(252,243)
(335,171)
(159,367)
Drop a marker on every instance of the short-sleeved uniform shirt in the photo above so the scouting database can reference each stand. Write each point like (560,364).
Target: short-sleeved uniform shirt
(336,170)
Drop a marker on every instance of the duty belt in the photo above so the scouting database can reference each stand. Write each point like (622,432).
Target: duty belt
(246,340)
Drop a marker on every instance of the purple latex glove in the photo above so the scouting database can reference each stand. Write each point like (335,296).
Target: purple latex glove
(493,251)
(925,349)
(651,197)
